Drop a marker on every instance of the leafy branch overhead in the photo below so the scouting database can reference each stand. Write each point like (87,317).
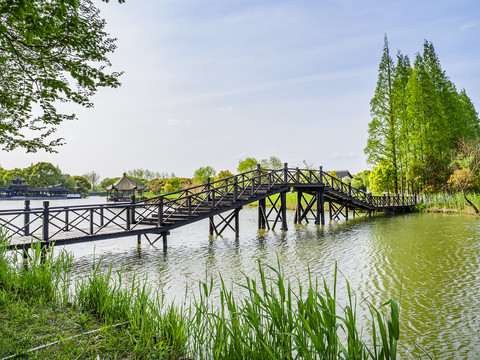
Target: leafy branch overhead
(51,51)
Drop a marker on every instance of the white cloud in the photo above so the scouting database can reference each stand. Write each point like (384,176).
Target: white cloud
(469,25)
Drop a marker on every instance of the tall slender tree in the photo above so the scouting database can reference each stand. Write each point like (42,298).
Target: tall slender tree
(382,130)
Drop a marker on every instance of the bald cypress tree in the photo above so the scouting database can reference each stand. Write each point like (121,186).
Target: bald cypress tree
(383,129)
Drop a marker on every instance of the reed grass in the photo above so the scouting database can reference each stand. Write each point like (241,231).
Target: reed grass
(445,202)
(270,320)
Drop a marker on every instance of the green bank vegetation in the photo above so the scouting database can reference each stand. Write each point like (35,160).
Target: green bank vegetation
(47,314)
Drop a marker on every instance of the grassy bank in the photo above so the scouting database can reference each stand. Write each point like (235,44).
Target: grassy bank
(99,315)
(450,203)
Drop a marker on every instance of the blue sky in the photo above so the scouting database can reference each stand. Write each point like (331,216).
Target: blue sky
(211,82)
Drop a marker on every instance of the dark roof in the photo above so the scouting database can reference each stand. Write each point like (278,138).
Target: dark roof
(125,184)
(17,180)
(343,174)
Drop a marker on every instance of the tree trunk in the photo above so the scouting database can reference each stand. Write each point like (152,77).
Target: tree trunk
(470,203)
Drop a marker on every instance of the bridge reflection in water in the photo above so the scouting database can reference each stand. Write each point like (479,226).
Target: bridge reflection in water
(220,202)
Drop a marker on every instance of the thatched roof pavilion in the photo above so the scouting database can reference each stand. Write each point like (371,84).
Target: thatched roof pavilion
(123,189)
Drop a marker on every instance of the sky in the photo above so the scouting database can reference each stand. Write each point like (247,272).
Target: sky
(212,82)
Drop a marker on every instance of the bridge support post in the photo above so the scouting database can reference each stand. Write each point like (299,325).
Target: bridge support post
(226,221)
(211,225)
(346,211)
(320,218)
(298,208)
(283,209)
(164,238)
(139,240)
(262,214)
(237,222)
(330,210)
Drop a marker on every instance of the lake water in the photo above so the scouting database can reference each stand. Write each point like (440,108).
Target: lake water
(430,263)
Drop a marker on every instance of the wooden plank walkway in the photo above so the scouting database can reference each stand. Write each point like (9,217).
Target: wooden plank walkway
(221,199)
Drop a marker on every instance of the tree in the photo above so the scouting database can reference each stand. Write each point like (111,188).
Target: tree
(83,185)
(361,181)
(146,174)
(466,162)
(382,178)
(172,185)
(224,174)
(247,165)
(44,174)
(93,177)
(156,185)
(108,181)
(51,51)
(68,182)
(272,163)
(382,130)
(203,173)
(12,174)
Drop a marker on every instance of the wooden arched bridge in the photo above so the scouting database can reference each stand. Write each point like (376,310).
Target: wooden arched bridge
(220,202)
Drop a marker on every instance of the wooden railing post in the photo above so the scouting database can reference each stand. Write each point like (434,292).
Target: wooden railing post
(46,213)
(101,217)
(285,173)
(349,189)
(189,204)
(160,212)
(132,209)
(270,180)
(297,175)
(127,216)
(91,221)
(321,175)
(26,218)
(259,174)
(235,188)
(67,213)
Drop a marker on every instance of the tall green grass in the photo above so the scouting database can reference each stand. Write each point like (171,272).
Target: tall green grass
(269,321)
(274,322)
(451,201)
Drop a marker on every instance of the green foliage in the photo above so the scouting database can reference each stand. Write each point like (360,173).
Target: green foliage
(361,180)
(82,184)
(12,174)
(272,163)
(156,185)
(172,185)
(223,175)
(382,178)
(203,173)
(44,174)
(108,181)
(247,165)
(417,119)
(93,178)
(51,51)
(68,182)
(147,174)
(466,162)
